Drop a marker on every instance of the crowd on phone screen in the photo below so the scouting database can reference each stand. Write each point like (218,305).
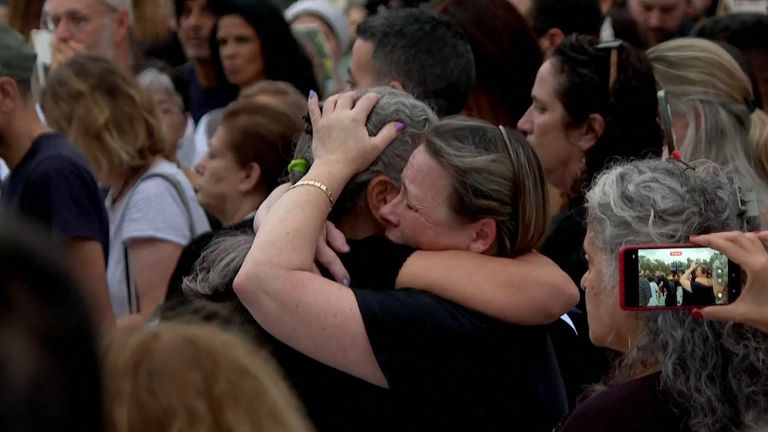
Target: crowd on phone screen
(169,259)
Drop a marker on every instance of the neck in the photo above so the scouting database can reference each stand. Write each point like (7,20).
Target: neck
(205,73)
(242,208)
(25,126)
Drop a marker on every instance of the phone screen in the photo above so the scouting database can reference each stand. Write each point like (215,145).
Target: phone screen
(677,276)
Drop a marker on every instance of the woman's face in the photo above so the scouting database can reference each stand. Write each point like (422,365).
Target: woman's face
(609,325)
(240,51)
(420,215)
(544,124)
(221,178)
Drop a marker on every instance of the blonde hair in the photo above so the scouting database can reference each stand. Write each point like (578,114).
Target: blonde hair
(185,376)
(105,113)
(706,85)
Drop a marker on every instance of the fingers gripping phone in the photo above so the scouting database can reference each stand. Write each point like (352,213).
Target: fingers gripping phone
(676,276)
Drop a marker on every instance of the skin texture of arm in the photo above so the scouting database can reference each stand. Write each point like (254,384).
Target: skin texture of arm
(685,279)
(314,315)
(527,290)
(85,259)
(748,251)
(152,263)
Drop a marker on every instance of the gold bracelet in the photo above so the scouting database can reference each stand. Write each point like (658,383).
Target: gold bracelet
(317,184)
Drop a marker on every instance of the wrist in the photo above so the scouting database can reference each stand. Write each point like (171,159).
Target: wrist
(332,178)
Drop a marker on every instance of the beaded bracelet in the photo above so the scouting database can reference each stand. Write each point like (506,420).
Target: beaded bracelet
(317,184)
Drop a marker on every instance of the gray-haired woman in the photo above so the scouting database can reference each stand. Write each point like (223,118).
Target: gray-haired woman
(677,373)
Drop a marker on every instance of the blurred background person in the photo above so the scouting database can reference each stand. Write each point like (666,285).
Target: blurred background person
(660,20)
(152,208)
(553,20)
(24,15)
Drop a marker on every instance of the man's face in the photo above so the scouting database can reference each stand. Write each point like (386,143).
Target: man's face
(86,22)
(361,69)
(196,23)
(658,20)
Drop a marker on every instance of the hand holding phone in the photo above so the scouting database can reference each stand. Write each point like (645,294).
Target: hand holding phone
(676,276)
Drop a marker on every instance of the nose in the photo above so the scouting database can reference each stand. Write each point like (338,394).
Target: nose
(654,19)
(583,282)
(525,125)
(62,31)
(200,166)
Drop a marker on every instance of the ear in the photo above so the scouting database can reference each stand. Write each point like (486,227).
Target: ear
(397,85)
(591,131)
(551,40)
(251,177)
(380,191)
(9,94)
(122,25)
(484,235)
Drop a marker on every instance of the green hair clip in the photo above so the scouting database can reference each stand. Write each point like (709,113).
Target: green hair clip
(299,166)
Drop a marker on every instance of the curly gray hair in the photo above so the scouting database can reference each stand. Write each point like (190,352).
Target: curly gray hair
(716,374)
(394,105)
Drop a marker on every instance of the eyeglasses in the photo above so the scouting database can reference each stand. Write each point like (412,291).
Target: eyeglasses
(613,45)
(76,20)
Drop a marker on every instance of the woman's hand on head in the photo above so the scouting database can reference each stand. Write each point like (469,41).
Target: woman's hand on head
(340,137)
(748,251)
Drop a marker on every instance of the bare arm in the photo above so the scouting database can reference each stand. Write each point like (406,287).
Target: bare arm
(152,261)
(85,260)
(527,290)
(316,316)
(685,279)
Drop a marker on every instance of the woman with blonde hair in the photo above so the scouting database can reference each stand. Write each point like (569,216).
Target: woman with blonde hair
(713,108)
(152,208)
(184,377)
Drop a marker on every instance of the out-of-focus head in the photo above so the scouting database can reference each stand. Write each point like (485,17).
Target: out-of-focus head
(326,17)
(106,115)
(586,111)
(657,201)
(496,32)
(169,104)
(254,42)
(280,94)
(553,20)
(98,25)
(394,105)
(416,51)
(49,373)
(470,186)
(183,376)
(249,153)
(659,20)
(710,99)
(195,22)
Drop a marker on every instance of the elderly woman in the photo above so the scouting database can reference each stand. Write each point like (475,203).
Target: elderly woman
(677,373)
(152,209)
(713,110)
(460,366)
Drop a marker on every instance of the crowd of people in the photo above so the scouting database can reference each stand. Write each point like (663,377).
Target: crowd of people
(363,215)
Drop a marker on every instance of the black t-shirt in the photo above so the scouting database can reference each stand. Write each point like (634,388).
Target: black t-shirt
(200,100)
(450,368)
(54,186)
(635,406)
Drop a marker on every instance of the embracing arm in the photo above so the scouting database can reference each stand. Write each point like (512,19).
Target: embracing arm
(527,290)
(685,279)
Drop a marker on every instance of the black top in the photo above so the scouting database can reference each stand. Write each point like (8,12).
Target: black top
(53,185)
(636,406)
(454,369)
(199,100)
(701,294)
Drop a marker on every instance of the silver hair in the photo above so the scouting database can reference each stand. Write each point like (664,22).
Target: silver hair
(215,270)
(394,105)
(155,81)
(716,374)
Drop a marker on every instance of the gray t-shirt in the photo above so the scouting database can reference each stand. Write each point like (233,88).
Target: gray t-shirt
(152,209)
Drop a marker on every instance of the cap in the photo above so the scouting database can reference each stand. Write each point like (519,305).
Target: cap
(328,13)
(17,58)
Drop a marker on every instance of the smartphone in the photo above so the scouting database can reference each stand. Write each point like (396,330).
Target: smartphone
(676,276)
(665,114)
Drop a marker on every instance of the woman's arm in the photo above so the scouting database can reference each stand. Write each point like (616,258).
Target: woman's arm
(314,315)
(685,279)
(527,290)
(152,262)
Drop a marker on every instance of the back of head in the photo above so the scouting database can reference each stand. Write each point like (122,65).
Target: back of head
(394,105)
(182,376)
(283,58)
(706,86)
(627,105)
(105,113)
(49,370)
(259,133)
(428,55)
(568,16)
(742,30)
(281,94)
(495,174)
(702,363)
(497,32)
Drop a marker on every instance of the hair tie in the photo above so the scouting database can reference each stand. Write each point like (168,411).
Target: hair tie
(751,104)
(300,166)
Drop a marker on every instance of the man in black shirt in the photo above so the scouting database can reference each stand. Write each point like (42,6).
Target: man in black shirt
(50,181)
